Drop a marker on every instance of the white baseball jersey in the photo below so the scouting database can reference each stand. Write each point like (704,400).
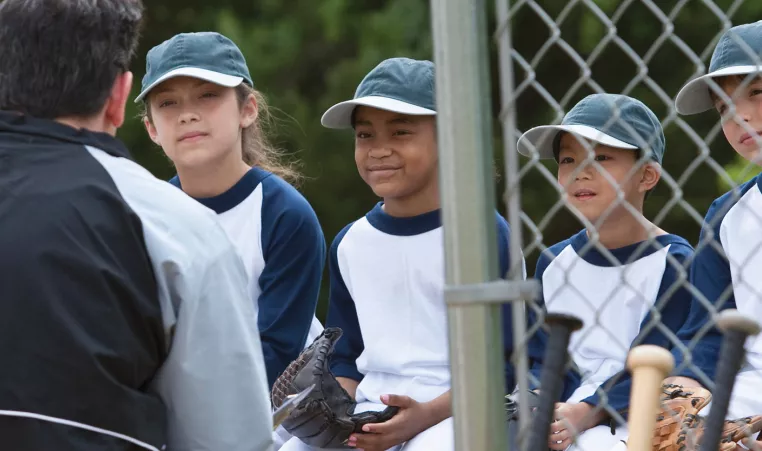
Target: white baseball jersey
(616,298)
(726,271)
(387,279)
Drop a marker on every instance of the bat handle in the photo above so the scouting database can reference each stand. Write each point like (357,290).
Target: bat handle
(649,365)
(551,378)
(737,328)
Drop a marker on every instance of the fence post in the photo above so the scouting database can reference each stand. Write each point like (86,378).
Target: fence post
(468,218)
(513,203)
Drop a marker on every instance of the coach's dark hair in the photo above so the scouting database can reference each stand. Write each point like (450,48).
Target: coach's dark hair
(60,57)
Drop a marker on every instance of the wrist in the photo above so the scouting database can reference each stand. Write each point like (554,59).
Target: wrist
(434,413)
(593,416)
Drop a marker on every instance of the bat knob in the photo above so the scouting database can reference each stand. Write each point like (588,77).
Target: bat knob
(650,356)
(732,319)
(563,319)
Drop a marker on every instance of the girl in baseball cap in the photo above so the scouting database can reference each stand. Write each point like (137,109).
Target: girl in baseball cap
(201,107)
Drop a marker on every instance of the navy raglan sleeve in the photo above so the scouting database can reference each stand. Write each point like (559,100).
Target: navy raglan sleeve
(710,275)
(504,260)
(343,314)
(672,303)
(538,341)
(294,251)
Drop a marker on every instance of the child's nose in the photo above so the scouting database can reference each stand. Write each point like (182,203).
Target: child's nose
(585,172)
(379,152)
(744,111)
(188,116)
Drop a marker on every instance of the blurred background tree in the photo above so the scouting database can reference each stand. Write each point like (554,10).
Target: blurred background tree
(306,55)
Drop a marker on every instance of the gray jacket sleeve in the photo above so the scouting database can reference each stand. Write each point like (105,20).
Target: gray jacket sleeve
(214,382)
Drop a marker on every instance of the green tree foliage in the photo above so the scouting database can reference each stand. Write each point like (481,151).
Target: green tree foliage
(305,55)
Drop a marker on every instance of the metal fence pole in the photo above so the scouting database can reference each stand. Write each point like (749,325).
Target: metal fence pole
(467,185)
(513,202)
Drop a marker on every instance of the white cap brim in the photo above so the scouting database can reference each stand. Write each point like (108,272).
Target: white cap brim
(217,78)
(540,139)
(695,98)
(340,115)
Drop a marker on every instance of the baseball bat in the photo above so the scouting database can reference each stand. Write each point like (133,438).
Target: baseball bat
(552,376)
(649,365)
(736,329)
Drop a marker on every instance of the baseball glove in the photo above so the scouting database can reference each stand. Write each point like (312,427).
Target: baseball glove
(325,418)
(680,428)
(512,401)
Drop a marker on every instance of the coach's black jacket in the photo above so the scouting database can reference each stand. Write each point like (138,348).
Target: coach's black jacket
(80,324)
(125,323)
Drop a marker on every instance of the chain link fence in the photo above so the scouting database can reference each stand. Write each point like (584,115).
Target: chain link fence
(549,55)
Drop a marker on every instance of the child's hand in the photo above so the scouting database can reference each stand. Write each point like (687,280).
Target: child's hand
(571,420)
(412,419)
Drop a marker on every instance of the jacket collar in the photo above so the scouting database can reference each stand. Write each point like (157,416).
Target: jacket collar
(46,130)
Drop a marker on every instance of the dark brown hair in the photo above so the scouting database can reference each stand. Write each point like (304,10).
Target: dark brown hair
(60,58)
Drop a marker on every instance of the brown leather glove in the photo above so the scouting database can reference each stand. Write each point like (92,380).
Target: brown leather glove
(680,428)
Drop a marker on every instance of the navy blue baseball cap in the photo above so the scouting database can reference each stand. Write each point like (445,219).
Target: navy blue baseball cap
(738,52)
(613,120)
(205,55)
(401,85)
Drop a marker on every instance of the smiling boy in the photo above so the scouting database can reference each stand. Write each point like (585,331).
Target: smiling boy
(387,268)
(618,271)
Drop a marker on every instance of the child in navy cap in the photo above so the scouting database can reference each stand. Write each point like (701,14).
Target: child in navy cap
(728,263)
(387,267)
(619,272)
(201,107)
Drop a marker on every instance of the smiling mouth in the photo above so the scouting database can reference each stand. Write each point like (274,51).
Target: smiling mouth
(383,170)
(383,173)
(584,194)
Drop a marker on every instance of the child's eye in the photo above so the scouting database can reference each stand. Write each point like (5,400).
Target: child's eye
(401,132)
(362,135)
(566,160)
(166,103)
(601,157)
(209,94)
(755,92)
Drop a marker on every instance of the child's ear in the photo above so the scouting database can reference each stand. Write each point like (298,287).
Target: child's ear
(650,177)
(249,111)
(151,129)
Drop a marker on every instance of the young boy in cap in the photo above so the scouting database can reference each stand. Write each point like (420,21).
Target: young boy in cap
(387,268)
(728,259)
(617,272)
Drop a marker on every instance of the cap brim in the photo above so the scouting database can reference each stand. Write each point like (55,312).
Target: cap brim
(695,98)
(340,115)
(217,78)
(540,139)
